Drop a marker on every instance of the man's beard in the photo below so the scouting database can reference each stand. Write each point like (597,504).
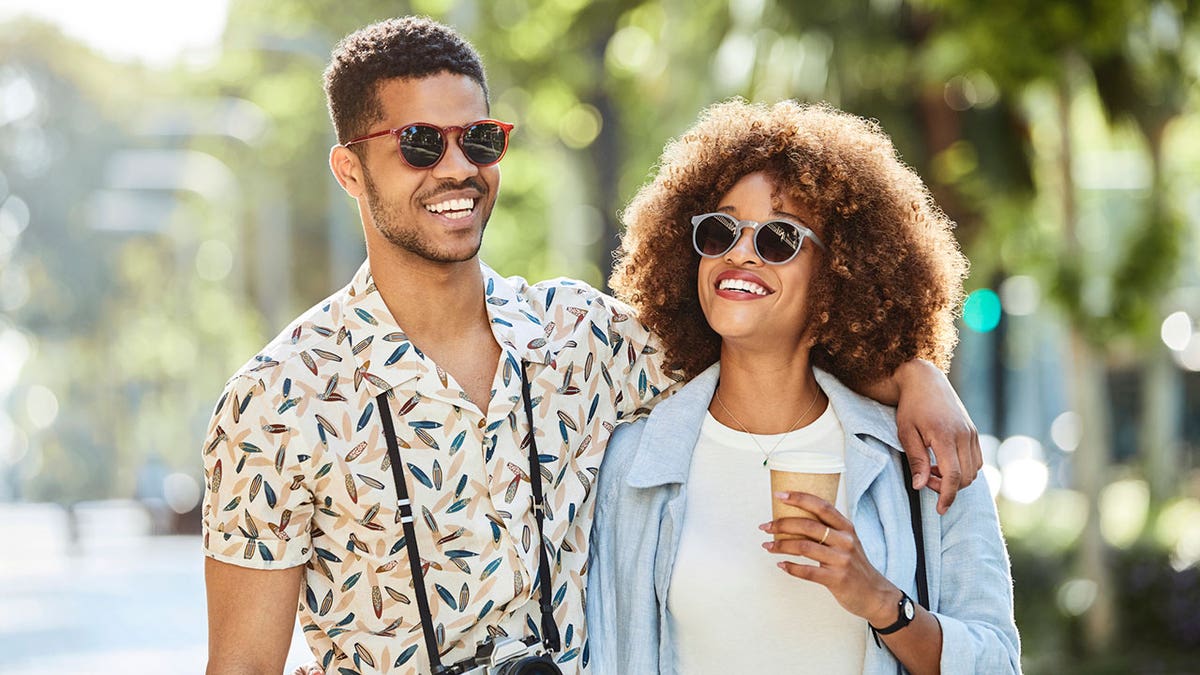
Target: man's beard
(387,218)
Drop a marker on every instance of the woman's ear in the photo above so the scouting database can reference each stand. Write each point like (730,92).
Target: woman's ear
(347,168)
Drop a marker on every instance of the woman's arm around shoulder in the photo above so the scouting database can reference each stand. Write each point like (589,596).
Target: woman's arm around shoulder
(979,633)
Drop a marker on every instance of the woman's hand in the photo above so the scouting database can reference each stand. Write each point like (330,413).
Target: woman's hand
(843,569)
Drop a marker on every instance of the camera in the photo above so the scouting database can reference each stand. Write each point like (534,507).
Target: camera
(507,656)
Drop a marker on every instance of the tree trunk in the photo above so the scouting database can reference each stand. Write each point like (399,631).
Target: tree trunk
(1091,468)
(1088,388)
(1162,386)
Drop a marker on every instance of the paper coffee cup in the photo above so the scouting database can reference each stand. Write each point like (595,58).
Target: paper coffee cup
(823,485)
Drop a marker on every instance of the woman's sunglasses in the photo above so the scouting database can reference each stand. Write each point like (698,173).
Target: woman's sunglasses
(423,145)
(775,241)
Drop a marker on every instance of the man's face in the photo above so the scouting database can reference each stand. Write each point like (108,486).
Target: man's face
(439,213)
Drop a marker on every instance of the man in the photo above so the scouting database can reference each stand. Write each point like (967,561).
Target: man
(431,352)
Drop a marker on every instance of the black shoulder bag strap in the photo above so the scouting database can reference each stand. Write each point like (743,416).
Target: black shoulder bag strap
(549,628)
(410,535)
(914,510)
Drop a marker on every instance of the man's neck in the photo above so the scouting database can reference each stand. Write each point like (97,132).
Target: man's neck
(431,302)
(441,308)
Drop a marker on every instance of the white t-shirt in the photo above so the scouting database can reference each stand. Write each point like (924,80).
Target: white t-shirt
(731,610)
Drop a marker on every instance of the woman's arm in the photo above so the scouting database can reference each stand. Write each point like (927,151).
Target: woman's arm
(973,630)
(975,603)
(622,608)
(929,414)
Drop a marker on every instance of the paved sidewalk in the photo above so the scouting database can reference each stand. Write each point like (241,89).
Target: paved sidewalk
(120,601)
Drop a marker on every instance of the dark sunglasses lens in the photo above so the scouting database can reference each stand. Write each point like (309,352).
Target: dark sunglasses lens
(778,241)
(422,146)
(484,143)
(714,235)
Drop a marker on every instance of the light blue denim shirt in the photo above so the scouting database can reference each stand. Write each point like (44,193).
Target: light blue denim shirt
(640,505)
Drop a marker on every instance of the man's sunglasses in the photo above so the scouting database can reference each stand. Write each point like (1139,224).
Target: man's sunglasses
(423,145)
(775,241)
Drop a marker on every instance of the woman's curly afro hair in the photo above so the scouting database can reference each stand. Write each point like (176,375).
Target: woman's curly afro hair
(888,288)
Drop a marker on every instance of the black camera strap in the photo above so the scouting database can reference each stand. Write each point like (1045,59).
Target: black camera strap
(550,636)
(549,628)
(410,536)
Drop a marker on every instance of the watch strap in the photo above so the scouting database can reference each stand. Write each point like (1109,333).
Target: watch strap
(902,618)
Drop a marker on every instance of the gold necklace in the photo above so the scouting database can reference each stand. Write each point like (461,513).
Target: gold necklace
(766,455)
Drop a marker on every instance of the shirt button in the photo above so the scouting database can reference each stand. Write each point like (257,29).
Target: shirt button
(482,423)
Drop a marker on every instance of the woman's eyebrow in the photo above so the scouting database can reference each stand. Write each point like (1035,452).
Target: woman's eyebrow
(731,210)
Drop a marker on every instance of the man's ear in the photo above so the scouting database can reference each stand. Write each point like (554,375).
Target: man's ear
(347,168)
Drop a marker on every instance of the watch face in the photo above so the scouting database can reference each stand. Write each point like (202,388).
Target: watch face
(909,611)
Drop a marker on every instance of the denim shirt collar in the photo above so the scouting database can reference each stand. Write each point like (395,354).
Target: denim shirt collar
(664,454)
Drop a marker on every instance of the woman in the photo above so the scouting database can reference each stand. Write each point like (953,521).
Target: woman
(792,244)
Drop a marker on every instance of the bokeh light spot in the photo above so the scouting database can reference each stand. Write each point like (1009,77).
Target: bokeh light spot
(981,312)
(1076,596)
(214,260)
(1020,295)
(630,50)
(41,405)
(989,444)
(1024,480)
(1178,528)
(1066,431)
(1124,506)
(994,479)
(1018,447)
(1189,358)
(181,491)
(580,126)
(1177,331)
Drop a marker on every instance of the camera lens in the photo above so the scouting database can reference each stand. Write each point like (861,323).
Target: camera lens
(530,665)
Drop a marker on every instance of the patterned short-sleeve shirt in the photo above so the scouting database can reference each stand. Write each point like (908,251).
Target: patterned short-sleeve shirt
(298,472)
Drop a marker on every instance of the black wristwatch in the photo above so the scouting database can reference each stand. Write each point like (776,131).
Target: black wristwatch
(905,613)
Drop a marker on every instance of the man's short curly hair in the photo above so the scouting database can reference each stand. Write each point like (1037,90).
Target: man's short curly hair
(888,289)
(405,47)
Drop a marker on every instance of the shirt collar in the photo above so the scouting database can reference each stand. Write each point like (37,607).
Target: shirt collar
(385,358)
(664,452)
(860,416)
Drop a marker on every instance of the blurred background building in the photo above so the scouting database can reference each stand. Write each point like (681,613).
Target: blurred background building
(165,208)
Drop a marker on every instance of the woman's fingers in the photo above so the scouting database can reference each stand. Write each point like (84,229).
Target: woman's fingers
(815,573)
(806,529)
(825,554)
(821,509)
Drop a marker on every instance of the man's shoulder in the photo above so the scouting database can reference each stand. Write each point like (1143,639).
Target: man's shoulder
(317,333)
(560,291)
(568,308)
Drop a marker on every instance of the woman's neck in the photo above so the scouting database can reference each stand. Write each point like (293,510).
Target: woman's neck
(766,393)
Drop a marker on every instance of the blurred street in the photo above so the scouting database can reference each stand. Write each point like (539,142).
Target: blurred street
(120,601)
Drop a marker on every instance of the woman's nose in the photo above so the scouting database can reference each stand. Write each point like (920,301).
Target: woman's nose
(743,249)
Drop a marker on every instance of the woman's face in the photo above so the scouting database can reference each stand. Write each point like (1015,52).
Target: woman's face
(746,300)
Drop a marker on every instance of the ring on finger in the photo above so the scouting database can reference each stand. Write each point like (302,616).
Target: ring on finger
(824,536)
